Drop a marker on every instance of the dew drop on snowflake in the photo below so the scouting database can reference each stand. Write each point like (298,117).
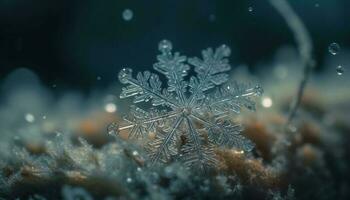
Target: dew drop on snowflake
(124,74)
(127,14)
(226,50)
(165,46)
(258,90)
(334,48)
(340,70)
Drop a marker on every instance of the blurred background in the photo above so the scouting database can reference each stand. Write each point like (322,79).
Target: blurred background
(78,45)
(59,64)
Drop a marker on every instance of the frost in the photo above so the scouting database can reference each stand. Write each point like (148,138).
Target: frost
(192,114)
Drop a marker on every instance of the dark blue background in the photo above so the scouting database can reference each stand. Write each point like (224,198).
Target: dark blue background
(71,42)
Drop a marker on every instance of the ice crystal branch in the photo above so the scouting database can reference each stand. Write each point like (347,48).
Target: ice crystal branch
(305,47)
(190,116)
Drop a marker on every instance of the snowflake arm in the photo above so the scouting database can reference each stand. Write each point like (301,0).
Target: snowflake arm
(174,68)
(140,123)
(229,136)
(163,147)
(231,98)
(210,71)
(225,134)
(145,87)
(196,152)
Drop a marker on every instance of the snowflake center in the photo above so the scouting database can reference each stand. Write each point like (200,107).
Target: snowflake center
(186,111)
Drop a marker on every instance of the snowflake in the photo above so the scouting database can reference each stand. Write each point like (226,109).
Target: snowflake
(192,115)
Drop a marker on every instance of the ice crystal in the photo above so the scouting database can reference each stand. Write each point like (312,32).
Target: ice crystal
(191,115)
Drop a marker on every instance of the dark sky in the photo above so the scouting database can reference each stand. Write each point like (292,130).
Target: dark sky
(71,42)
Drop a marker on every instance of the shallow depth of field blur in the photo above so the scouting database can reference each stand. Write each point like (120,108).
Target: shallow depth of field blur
(59,64)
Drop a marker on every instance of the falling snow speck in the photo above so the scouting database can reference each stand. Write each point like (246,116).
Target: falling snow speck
(128,180)
(127,14)
(340,70)
(266,102)
(98,78)
(334,48)
(29,117)
(250,9)
(212,17)
(165,46)
(110,107)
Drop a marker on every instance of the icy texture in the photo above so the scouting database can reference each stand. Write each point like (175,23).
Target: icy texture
(191,115)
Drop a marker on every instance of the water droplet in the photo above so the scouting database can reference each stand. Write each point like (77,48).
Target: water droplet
(226,51)
(258,90)
(340,70)
(165,46)
(127,14)
(58,134)
(29,117)
(250,9)
(129,180)
(291,128)
(110,107)
(124,75)
(334,48)
(212,17)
